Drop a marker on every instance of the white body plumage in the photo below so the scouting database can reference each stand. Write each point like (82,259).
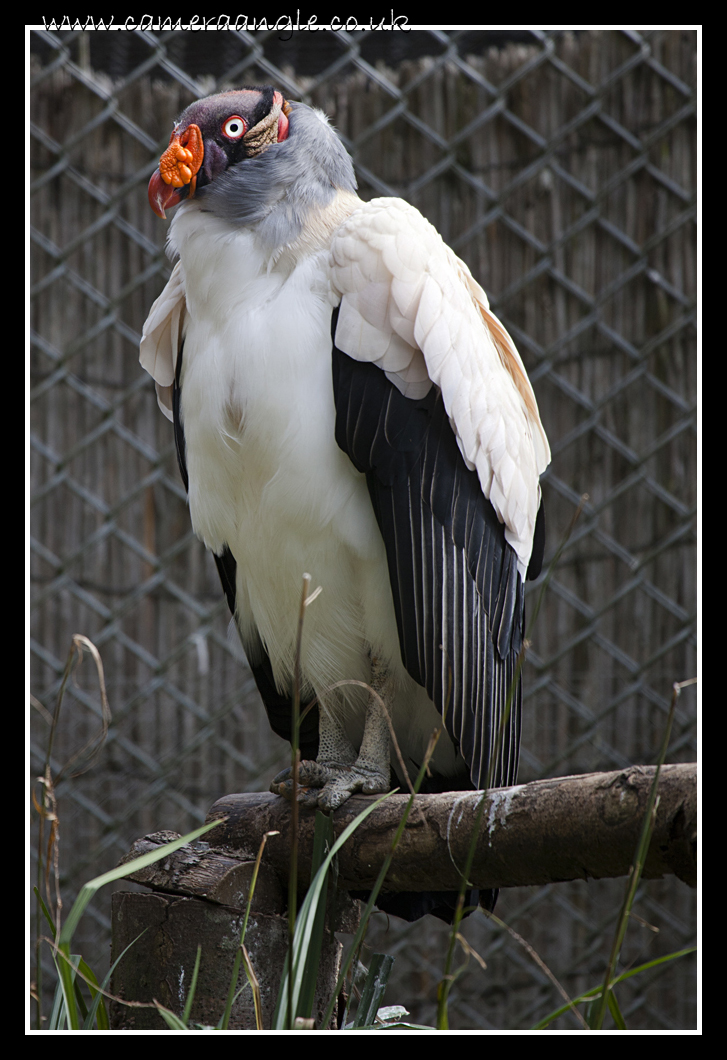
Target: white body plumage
(266,477)
(300,463)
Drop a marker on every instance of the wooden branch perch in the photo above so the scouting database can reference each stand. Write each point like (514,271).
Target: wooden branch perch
(567,828)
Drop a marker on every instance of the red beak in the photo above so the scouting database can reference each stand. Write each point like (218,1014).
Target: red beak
(162,196)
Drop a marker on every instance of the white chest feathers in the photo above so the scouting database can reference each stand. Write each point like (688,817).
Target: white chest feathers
(266,477)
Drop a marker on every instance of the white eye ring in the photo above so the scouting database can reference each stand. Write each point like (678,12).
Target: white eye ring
(234,128)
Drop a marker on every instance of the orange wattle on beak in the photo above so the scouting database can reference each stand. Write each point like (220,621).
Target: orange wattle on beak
(178,168)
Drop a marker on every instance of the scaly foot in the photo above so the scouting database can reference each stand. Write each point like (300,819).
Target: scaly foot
(327,785)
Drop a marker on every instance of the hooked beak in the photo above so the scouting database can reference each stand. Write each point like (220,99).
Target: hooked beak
(162,196)
(178,168)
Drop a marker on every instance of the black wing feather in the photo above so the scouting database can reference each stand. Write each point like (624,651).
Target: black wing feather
(457,592)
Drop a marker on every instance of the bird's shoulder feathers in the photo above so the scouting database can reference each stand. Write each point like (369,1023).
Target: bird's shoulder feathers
(411,306)
(162,336)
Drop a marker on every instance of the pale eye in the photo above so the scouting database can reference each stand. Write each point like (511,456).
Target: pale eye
(234,127)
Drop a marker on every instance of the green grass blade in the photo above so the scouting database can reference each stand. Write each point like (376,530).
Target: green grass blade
(98,1001)
(67,974)
(373,991)
(233,993)
(80,1000)
(642,848)
(97,1011)
(653,963)
(322,843)
(616,1011)
(255,987)
(56,1020)
(595,992)
(172,1021)
(358,937)
(64,963)
(44,910)
(305,922)
(192,988)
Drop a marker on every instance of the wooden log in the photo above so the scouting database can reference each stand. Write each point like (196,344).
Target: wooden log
(567,828)
(199,897)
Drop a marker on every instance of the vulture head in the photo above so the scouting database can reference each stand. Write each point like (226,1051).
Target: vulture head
(250,156)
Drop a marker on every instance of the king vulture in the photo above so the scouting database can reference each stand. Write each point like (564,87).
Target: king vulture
(346,404)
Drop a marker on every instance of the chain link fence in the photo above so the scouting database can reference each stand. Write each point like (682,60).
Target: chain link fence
(562,168)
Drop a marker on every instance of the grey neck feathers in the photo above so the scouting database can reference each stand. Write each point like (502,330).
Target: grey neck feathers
(275,192)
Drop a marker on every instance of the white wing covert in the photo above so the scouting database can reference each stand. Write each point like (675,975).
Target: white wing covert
(409,305)
(162,336)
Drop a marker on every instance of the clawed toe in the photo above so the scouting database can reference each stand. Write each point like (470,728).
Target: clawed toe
(311,778)
(327,785)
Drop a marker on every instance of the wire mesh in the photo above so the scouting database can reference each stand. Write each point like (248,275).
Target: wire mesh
(562,168)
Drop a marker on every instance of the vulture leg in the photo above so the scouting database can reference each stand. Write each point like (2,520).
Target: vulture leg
(338,772)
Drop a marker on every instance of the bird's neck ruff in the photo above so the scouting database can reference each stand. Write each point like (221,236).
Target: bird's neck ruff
(272,129)
(286,183)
